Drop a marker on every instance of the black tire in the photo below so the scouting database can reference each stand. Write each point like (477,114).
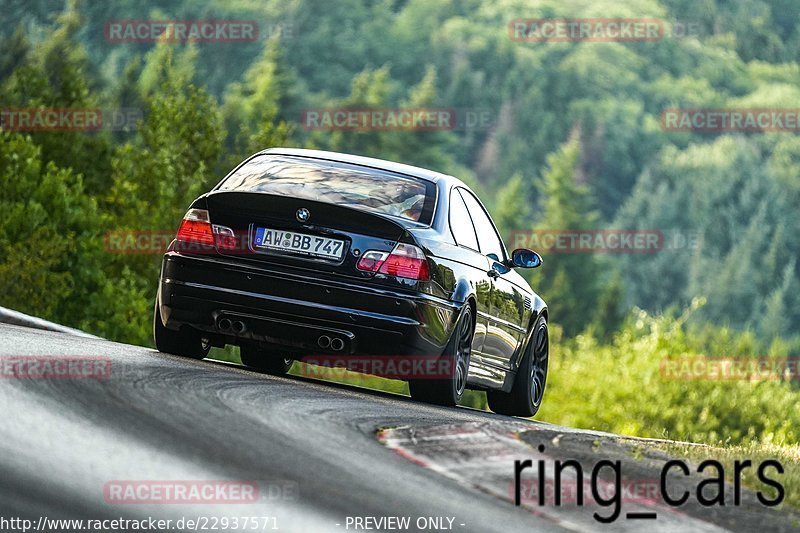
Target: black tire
(448,391)
(272,363)
(185,342)
(526,395)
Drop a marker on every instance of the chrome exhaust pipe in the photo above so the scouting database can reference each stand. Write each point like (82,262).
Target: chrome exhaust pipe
(324,341)
(239,327)
(224,324)
(337,344)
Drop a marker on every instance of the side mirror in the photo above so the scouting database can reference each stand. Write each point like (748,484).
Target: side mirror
(524,258)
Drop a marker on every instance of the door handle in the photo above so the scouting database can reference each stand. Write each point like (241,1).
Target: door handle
(494,274)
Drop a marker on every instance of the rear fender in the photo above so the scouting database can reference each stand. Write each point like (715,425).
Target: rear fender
(463,294)
(539,309)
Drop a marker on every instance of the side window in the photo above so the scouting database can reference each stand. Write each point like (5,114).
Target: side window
(487,235)
(460,223)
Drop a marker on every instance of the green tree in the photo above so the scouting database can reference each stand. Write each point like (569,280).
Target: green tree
(375,89)
(57,74)
(52,262)
(172,158)
(252,107)
(568,282)
(156,175)
(511,210)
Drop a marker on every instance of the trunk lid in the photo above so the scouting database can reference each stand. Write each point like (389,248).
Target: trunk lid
(304,234)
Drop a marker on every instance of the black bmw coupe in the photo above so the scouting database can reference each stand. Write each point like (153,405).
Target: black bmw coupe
(300,253)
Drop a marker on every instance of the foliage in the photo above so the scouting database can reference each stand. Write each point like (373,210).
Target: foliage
(571,282)
(574,142)
(607,98)
(758,453)
(624,387)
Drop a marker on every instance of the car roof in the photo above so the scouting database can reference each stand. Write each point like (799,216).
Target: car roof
(400,168)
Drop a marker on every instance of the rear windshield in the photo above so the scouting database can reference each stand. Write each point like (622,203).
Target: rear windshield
(368,189)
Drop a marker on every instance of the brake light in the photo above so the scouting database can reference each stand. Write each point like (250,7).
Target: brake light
(405,261)
(196,228)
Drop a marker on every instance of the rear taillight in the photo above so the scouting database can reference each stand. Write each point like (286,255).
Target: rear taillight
(225,238)
(196,228)
(371,261)
(405,261)
(199,234)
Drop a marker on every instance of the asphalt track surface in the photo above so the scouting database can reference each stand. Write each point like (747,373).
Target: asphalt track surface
(322,455)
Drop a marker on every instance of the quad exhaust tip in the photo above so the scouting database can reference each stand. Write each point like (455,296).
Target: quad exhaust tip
(236,326)
(337,344)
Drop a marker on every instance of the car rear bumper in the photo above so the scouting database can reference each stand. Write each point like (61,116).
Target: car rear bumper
(283,309)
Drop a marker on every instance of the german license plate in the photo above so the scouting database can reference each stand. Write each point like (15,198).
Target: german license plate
(290,241)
